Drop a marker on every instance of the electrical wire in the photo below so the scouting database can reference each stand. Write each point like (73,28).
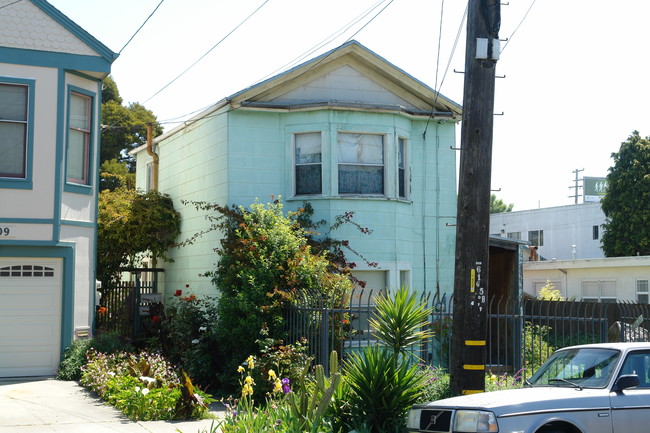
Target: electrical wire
(518,25)
(207,52)
(9,4)
(324,42)
(140,28)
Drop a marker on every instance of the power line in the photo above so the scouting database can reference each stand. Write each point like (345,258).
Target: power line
(17,1)
(207,52)
(140,28)
(325,41)
(518,25)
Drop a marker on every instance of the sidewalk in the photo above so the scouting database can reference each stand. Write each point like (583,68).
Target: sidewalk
(39,405)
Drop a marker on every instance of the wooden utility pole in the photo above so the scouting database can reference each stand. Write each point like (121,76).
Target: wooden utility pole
(469,330)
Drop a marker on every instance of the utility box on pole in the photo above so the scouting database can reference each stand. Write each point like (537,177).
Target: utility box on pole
(469,330)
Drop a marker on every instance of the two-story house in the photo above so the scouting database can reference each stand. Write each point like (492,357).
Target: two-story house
(51,73)
(346,131)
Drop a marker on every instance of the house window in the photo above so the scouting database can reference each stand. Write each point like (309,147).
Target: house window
(514,235)
(361,164)
(536,237)
(599,290)
(594,233)
(308,163)
(401,168)
(642,291)
(78,157)
(13,130)
(149,177)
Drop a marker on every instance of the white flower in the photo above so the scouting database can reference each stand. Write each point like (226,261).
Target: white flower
(147,379)
(195,341)
(203,328)
(145,391)
(137,389)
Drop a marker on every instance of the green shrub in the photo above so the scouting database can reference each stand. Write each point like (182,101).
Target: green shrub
(74,356)
(143,386)
(536,347)
(436,384)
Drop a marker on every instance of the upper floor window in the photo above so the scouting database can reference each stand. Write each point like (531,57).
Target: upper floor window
(514,235)
(13,130)
(361,163)
(78,156)
(401,168)
(594,232)
(308,163)
(536,237)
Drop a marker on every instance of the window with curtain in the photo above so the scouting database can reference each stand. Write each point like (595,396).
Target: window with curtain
(77,162)
(642,291)
(599,290)
(13,129)
(361,163)
(308,163)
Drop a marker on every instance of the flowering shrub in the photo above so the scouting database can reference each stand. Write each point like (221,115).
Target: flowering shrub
(287,360)
(143,386)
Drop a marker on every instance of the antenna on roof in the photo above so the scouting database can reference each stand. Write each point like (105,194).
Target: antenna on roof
(577,186)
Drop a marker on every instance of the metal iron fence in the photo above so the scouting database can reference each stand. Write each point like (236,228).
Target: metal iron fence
(121,302)
(521,333)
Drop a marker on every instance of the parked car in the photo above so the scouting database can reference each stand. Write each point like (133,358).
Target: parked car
(594,388)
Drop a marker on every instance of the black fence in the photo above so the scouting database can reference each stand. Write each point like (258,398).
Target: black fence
(123,303)
(521,333)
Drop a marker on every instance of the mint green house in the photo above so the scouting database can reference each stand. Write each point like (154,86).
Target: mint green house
(347,132)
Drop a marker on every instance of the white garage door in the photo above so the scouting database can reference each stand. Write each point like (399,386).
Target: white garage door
(30,316)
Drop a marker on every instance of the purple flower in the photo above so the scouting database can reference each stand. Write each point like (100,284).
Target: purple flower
(285,386)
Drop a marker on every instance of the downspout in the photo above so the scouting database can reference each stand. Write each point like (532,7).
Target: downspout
(154,175)
(154,155)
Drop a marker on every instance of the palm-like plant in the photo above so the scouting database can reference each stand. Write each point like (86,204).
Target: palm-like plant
(384,384)
(401,321)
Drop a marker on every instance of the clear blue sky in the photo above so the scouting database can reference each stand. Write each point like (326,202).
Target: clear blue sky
(575,71)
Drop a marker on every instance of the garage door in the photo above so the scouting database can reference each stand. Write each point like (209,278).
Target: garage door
(30,316)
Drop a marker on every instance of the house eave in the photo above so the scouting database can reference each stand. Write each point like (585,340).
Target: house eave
(344,105)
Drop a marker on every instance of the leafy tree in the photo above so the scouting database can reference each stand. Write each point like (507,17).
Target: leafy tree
(550,293)
(124,127)
(115,174)
(131,224)
(627,202)
(498,206)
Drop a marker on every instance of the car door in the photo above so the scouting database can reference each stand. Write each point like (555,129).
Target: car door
(631,407)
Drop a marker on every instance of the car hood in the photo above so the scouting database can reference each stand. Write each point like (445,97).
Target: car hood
(527,399)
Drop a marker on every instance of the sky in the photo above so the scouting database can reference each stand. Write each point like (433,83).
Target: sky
(574,83)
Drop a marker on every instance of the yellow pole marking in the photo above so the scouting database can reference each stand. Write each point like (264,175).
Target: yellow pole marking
(472,391)
(473,367)
(474,342)
(472,280)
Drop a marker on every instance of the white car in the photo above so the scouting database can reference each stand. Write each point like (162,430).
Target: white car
(593,388)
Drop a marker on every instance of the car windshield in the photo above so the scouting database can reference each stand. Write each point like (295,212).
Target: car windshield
(581,367)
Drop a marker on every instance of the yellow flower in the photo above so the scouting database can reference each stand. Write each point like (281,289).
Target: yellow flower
(247,390)
(240,369)
(251,362)
(493,378)
(272,375)
(249,381)
(278,385)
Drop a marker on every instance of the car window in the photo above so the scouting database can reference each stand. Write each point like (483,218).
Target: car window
(638,363)
(586,367)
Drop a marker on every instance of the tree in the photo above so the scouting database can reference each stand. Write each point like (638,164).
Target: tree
(114,174)
(131,224)
(123,128)
(498,206)
(627,202)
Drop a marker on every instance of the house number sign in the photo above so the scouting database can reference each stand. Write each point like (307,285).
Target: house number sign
(7,231)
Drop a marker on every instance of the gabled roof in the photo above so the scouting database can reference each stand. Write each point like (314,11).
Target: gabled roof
(349,63)
(349,77)
(36,25)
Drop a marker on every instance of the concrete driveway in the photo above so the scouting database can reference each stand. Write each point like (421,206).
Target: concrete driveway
(48,405)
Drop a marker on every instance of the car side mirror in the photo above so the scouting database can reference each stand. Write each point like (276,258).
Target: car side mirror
(626,381)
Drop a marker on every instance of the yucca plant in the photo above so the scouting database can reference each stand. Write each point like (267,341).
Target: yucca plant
(400,321)
(382,390)
(384,384)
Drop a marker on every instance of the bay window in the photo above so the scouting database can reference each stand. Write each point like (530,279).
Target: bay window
(13,129)
(308,163)
(401,168)
(360,163)
(78,154)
